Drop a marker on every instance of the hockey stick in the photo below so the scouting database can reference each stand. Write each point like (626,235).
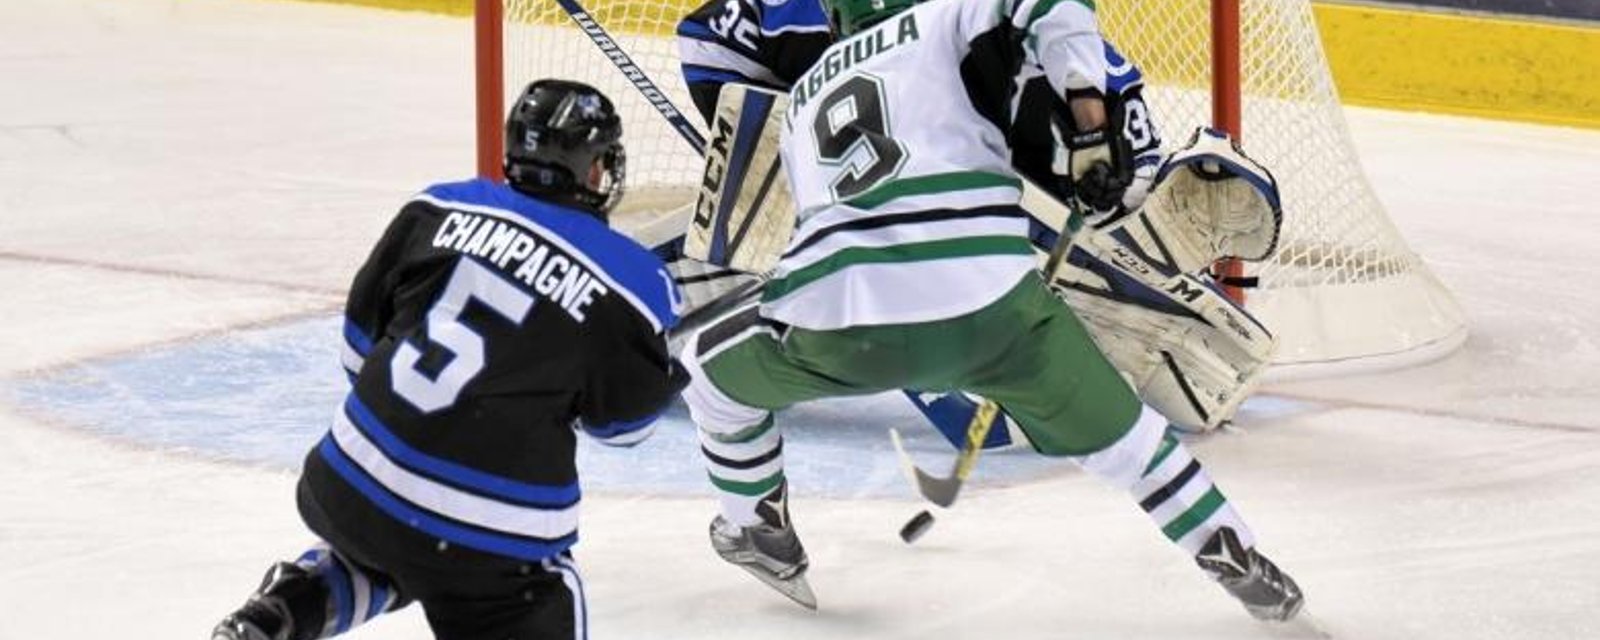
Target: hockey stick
(634,74)
(943,490)
(716,307)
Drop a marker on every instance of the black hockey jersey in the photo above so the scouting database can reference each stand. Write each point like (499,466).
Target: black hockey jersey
(485,327)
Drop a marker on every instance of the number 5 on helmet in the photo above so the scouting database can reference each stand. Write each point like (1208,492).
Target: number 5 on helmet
(744,216)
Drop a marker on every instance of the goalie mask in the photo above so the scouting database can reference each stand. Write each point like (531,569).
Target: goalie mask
(564,143)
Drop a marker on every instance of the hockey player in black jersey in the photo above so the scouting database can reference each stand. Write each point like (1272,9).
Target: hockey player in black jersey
(489,326)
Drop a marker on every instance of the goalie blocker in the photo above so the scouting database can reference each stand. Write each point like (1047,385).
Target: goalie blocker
(1192,353)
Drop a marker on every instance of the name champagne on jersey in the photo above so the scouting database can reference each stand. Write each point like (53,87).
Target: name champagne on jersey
(528,260)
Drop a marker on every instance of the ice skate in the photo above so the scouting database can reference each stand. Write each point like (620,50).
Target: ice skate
(1266,592)
(266,615)
(259,619)
(770,551)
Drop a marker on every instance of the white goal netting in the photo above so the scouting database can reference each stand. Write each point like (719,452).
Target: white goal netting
(1344,291)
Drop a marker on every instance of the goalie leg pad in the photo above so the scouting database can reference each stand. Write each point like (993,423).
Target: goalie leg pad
(1189,351)
(744,216)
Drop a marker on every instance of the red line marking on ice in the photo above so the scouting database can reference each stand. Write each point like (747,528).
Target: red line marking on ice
(1344,403)
(166,273)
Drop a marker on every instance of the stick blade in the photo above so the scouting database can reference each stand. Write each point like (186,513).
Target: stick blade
(940,491)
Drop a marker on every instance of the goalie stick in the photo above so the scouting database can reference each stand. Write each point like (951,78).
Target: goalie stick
(716,307)
(672,247)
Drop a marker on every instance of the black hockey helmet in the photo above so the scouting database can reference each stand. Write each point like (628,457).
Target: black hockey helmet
(559,132)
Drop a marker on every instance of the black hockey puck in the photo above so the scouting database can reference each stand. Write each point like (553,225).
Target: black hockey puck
(916,526)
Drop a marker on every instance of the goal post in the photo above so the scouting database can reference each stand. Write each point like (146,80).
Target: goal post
(1344,293)
(1225,107)
(488,31)
(533,39)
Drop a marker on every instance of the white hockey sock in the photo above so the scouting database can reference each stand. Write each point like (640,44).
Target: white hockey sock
(745,466)
(742,448)
(1169,483)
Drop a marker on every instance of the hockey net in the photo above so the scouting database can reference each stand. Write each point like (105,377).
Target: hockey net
(1344,293)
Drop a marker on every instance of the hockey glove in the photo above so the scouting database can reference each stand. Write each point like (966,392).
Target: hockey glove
(1101,166)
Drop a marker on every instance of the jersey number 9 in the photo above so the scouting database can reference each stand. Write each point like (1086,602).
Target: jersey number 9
(852,129)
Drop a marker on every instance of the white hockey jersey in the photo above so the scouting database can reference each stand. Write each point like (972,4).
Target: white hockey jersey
(896,155)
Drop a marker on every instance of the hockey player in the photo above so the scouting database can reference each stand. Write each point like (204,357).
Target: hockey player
(911,267)
(769,45)
(489,326)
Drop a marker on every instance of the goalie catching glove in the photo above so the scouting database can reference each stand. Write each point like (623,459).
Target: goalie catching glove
(1191,353)
(1210,202)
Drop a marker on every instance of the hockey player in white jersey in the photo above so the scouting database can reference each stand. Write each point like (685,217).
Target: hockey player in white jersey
(770,44)
(910,267)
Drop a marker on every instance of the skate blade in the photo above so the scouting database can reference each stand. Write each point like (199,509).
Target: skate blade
(796,588)
(1276,614)
(1299,626)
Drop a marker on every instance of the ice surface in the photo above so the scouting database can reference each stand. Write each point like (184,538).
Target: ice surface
(265,396)
(186,186)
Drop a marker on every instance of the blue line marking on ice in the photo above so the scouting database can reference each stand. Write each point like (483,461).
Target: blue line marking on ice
(266,396)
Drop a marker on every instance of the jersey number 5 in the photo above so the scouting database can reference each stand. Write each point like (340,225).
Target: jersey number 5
(852,129)
(470,281)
